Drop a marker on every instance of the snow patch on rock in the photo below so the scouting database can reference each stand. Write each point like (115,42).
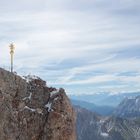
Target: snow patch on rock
(48,106)
(29,78)
(31,109)
(29,97)
(53,93)
(104,134)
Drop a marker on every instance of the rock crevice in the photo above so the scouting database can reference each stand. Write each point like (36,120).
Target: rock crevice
(30,110)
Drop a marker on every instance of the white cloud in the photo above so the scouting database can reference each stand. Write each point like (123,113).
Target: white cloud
(63,41)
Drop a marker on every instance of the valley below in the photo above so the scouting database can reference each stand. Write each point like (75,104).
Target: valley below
(122,123)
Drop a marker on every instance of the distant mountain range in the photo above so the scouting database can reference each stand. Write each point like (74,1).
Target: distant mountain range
(102,110)
(104,99)
(123,122)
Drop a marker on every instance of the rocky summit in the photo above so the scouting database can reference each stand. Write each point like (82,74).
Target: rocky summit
(30,110)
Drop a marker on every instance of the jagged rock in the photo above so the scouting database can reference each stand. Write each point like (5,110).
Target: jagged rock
(91,126)
(29,110)
(128,108)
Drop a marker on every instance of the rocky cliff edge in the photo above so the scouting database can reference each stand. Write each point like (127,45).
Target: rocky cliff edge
(30,110)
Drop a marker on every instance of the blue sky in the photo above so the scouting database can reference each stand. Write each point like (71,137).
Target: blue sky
(84,46)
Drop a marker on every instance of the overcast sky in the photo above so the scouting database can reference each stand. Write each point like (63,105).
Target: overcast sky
(84,46)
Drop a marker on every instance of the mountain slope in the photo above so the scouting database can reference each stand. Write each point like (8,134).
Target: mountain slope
(32,111)
(91,126)
(128,108)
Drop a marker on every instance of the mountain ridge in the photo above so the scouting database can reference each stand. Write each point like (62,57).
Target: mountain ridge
(128,108)
(30,110)
(96,127)
(102,110)
(104,98)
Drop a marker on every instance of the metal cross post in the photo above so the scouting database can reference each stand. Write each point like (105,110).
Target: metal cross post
(12,55)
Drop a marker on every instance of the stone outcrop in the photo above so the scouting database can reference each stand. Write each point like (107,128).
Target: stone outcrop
(29,110)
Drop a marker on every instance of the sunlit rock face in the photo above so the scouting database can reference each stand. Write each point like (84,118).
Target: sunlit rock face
(29,110)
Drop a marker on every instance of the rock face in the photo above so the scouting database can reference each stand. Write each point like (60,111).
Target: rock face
(128,108)
(91,126)
(87,124)
(29,110)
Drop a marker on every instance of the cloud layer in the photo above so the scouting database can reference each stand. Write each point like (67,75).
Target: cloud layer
(84,46)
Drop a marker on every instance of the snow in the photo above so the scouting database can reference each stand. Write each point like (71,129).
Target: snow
(29,78)
(28,108)
(53,92)
(102,121)
(29,97)
(110,126)
(38,110)
(48,106)
(55,99)
(104,134)
(137,100)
